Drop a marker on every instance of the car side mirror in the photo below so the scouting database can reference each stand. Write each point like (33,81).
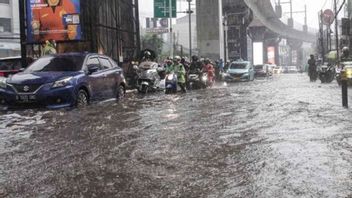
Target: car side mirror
(92,69)
(21,70)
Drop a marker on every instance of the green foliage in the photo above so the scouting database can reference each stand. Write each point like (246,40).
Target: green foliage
(153,42)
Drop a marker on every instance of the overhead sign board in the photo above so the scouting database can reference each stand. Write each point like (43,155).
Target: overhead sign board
(162,8)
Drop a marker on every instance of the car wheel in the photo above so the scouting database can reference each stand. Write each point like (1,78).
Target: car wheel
(82,98)
(120,93)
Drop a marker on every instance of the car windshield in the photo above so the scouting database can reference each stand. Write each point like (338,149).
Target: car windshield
(239,66)
(67,63)
(11,64)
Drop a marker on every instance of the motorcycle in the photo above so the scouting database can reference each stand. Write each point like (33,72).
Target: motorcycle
(197,81)
(170,83)
(326,73)
(148,77)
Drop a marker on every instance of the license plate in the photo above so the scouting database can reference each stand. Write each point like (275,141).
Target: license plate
(238,78)
(26,98)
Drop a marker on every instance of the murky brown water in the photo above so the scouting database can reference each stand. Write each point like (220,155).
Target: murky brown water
(283,137)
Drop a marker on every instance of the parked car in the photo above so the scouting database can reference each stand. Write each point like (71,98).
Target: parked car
(12,65)
(239,71)
(270,68)
(260,71)
(292,69)
(278,70)
(64,80)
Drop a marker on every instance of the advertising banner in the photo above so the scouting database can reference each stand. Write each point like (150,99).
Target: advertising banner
(157,25)
(57,20)
(271,55)
(258,52)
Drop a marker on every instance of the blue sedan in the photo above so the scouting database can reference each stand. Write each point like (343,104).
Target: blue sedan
(64,80)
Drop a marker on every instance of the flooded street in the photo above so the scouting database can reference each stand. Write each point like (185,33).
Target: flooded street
(282,137)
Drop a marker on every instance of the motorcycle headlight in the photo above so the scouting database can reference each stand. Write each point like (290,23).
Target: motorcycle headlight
(204,78)
(3,83)
(62,83)
(170,77)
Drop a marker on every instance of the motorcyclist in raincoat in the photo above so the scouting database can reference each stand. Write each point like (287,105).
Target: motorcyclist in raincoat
(49,48)
(179,69)
(209,69)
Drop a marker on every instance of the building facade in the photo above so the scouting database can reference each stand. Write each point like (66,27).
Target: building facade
(234,19)
(9,28)
(181,30)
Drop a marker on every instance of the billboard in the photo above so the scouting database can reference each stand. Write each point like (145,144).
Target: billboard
(57,20)
(258,53)
(271,55)
(157,25)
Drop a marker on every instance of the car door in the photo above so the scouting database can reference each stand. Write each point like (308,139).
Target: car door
(110,84)
(96,78)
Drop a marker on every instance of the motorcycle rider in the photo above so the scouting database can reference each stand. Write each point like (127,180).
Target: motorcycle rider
(179,69)
(209,69)
(169,67)
(195,66)
(345,54)
(312,68)
(147,56)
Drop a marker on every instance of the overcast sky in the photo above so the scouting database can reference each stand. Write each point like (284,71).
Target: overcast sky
(313,6)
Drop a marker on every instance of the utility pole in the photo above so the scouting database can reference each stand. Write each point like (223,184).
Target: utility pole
(171,33)
(190,27)
(291,9)
(22,32)
(336,32)
(225,37)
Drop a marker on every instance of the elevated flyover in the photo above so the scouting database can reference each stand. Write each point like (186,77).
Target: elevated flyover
(264,11)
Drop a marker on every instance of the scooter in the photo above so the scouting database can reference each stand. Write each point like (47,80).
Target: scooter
(197,81)
(171,83)
(148,78)
(327,73)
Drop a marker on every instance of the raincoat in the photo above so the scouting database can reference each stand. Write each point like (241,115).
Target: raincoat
(181,73)
(49,49)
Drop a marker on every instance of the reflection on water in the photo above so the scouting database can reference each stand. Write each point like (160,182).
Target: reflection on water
(268,138)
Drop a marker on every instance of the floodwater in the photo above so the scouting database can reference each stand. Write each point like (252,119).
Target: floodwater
(282,137)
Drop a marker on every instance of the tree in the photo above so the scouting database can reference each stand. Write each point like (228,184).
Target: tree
(153,42)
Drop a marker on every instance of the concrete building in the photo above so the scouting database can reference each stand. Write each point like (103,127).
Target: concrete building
(181,30)
(208,35)
(215,16)
(9,28)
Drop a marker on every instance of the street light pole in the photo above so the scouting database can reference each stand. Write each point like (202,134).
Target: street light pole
(190,27)
(171,35)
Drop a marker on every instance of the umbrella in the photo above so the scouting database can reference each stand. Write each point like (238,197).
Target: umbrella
(332,55)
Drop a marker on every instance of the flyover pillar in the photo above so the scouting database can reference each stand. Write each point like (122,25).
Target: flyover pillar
(295,52)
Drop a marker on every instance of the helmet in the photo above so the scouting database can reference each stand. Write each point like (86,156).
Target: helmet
(177,58)
(194,58)
(345,50)
(147,54)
